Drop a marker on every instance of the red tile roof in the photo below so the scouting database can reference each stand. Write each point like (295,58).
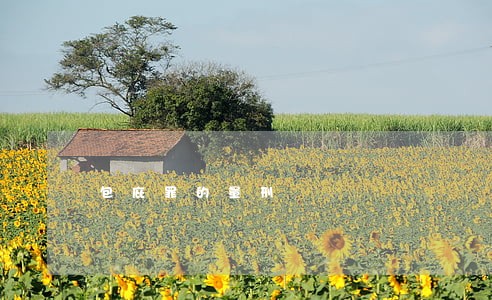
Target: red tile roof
(100,142)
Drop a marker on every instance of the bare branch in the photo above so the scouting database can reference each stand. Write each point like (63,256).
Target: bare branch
(121,61)
(115,105)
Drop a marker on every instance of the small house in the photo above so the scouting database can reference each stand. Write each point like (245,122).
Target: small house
(131,151)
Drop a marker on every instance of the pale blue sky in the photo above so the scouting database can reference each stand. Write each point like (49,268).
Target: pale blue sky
(278,37)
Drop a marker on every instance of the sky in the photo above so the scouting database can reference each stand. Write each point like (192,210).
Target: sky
(308,56)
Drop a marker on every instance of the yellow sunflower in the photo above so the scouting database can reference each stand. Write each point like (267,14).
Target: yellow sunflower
(334,244)
(280,278)
(294,263)
(127,287)
(447,255)
(392,265)
(223,262)
(219,282)
(400,288)
(47,277)
(178,268)
(337,280)
(198,249)
(336,276)
(375,237)
(364,278)
(166,294)
(86,257)
(132,272)
(426,285)
(474,243)
(275,294)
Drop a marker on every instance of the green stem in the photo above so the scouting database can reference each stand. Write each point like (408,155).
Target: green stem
(193,289)
(377,285)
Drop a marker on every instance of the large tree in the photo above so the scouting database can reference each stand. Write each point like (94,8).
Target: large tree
(118,63)
(204,96)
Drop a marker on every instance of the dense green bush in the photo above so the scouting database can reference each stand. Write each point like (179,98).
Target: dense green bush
(204,98)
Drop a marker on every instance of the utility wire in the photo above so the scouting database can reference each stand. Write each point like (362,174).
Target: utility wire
(24,93)
(372,65)
(310,73)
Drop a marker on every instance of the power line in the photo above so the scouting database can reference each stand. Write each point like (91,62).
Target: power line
(23,93)
(372,65)
(20,93)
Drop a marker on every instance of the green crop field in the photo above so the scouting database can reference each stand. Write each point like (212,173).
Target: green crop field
(368,122)
(30,130)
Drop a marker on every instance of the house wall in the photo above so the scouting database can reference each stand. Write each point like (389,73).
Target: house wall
(183,158)
(63,164)
(85,164)
(136,165)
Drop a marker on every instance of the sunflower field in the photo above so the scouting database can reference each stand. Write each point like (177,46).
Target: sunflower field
(387,223)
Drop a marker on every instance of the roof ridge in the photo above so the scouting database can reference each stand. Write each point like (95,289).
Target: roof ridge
(94,142)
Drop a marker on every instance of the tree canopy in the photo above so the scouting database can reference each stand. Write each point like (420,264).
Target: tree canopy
(118,63)
(204,97)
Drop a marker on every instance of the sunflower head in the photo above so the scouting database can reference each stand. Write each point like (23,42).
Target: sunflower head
(223,262)
(426,284)
(393,264)
(375,236)
(474,243)
(398,284)
(334,244)
(280,277)
(219,282)
(447,255)
(294,263)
